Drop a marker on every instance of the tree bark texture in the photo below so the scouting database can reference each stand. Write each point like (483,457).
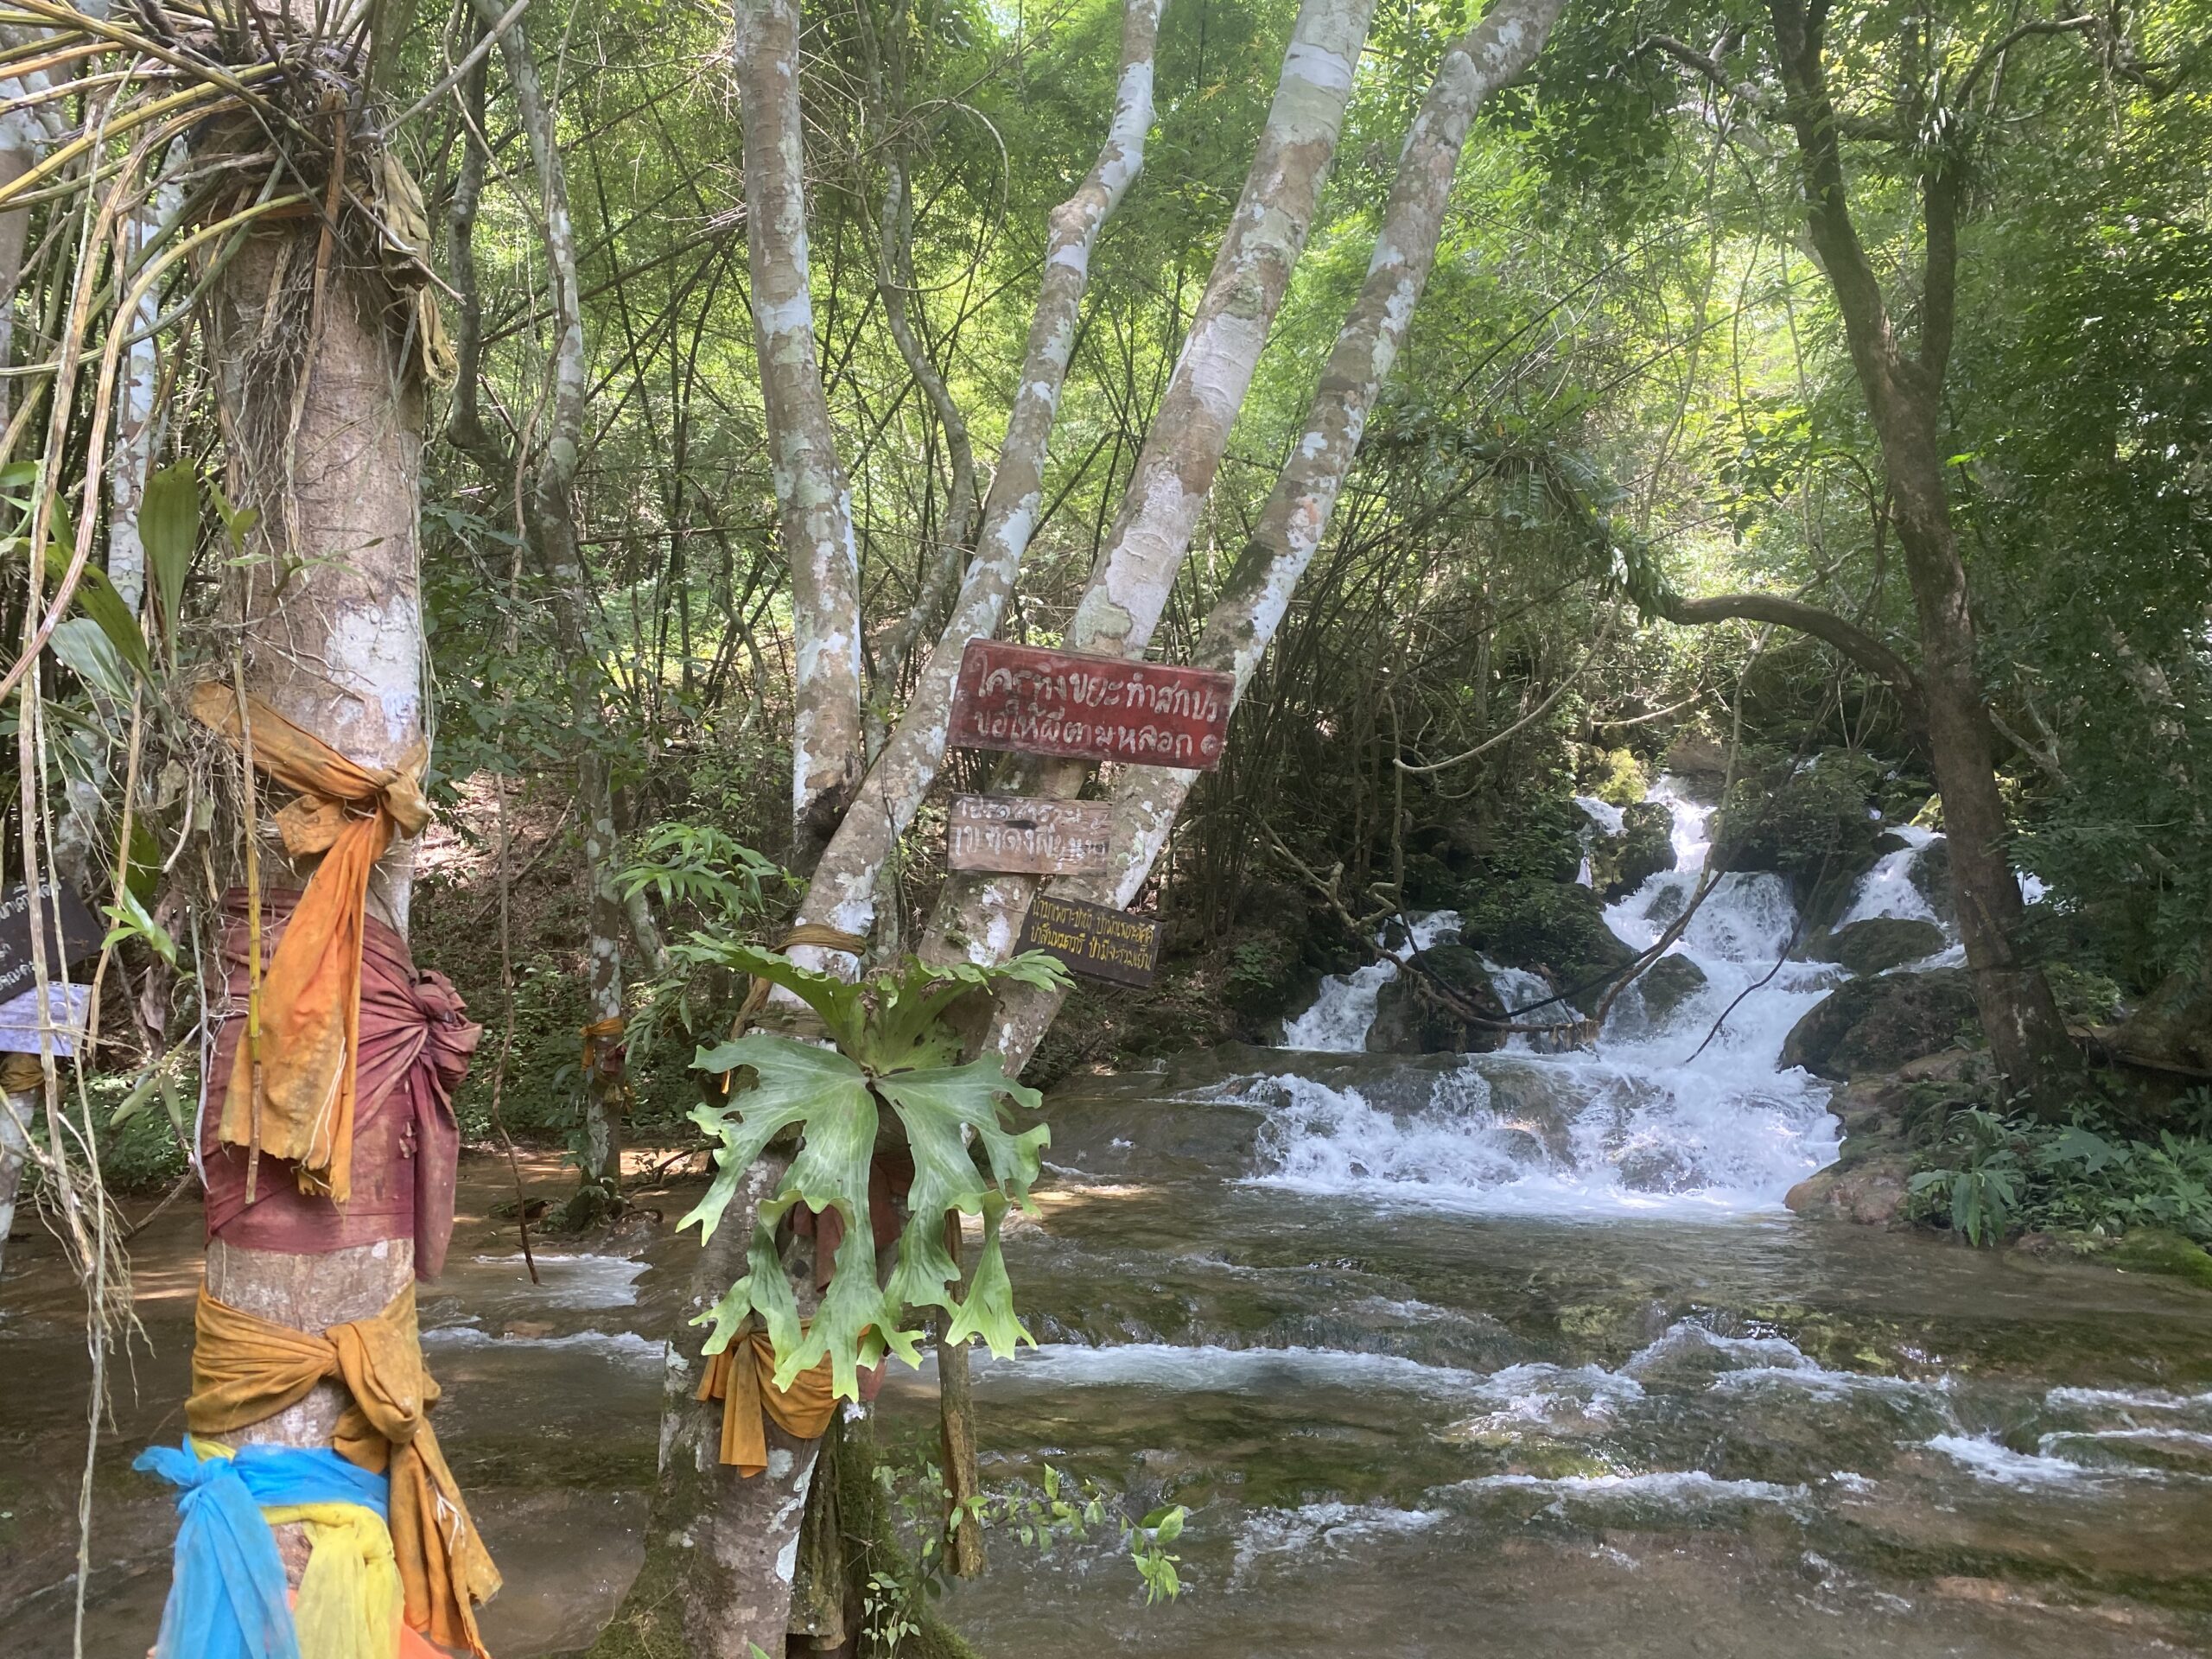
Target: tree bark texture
(811,494)
(1903,397)
(1257,597)
(842,892)
(548,515)
(722,1550)
(321,401)
(979,917)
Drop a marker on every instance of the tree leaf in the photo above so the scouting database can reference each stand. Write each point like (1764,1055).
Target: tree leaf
(169,528)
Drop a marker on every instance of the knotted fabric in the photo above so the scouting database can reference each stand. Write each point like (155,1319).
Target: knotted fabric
(227,1595)
(415,1041)
(743,1378)
(311,1002)
(246,1369)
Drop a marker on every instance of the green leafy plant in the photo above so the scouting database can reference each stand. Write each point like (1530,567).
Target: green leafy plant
(1982,1184)
(1061,1509)
(892,1056)
(698,864)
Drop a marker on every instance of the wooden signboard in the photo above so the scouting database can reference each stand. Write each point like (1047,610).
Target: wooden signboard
(71,936)
(1093,940)
(1013,836)
(1084,708)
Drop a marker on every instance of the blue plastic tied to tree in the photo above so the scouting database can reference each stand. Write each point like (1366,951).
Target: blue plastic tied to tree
(227,1593)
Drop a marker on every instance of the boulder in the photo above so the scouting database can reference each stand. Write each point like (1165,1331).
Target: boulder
(1807,824)
(1870,1191)
(1643,850)
(1697,760)
(1411,1018)
(1554,929)
(1880,942)
(1666,983)
(1878,1025)
(1931,873)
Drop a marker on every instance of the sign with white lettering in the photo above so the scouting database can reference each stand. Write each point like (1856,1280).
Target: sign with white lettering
(1011,836)
(1093,940)
(71,935)
(1085,707)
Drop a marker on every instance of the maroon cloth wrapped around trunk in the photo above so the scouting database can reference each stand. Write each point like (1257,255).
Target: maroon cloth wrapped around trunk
(415,1044)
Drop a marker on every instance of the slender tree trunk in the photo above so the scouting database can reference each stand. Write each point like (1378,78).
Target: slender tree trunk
(1253,602)
(979,917)
(25,136)
(842,892)
(15,1152)
(1903,394)
(827,753)
(550,514)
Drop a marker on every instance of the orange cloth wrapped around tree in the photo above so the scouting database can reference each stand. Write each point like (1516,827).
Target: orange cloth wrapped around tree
(743,1378)
(246,1369)
(311,1001)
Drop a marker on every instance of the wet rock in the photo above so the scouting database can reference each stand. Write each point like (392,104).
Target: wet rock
(1411,1018)
(1880,942)
(2153,1249)
(1876,1024)
(1544,927)
(1870,1189)
(1697,760)
(1809,824)
(1666,983)
(1620,864)
(1930,874)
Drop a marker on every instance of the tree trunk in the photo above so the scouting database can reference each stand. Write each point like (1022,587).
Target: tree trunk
(549,522)
(1257,596)
(979,917)
(841,894)
(319,399)
(1903,398)
(721,1550)
(811,492)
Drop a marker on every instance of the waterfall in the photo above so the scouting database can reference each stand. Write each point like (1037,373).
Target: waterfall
(1338,1022)
(1678,1108)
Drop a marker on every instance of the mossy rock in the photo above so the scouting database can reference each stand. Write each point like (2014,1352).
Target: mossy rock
(1546,927)
(1930,874)
(1646,849)
(2153,1249)
(1411,1019)
(1809,824)
(1268,976)
(1666,984)
(1881,942)
(1878,1025)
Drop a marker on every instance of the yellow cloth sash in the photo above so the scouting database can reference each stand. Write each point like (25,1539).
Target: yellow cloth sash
(246,1369)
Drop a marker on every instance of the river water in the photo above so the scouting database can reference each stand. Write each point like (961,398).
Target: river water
(1506,1354)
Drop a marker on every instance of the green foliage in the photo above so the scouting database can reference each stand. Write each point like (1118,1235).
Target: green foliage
(1059,1512)
(1987,1176)
(893,1050)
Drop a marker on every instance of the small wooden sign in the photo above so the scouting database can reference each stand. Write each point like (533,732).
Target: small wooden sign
(1086,708)
(71,935)
(1093,940)
(1012,836)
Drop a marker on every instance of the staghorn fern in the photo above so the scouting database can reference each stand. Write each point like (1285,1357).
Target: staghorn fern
(892,1050)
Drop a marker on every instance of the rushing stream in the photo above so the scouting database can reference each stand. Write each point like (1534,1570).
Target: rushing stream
(1504,1354)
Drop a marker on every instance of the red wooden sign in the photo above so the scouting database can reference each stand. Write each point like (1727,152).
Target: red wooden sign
(1085,707)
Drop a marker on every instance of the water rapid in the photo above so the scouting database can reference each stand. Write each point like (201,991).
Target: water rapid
(1681,1109)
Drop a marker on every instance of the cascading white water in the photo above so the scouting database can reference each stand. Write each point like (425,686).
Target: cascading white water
(1680,1109)
(1337,1022)
(1889,889)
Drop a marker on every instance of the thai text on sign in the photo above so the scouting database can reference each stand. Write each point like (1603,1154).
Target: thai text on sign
(1011,835)
(1086,708)
(71,935)
(1093,940)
